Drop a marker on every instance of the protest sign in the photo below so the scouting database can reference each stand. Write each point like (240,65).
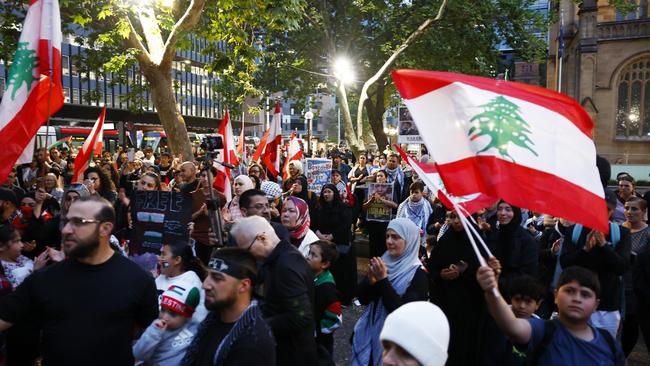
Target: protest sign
(159,217)
(318,173)
(377,211)
(407,130)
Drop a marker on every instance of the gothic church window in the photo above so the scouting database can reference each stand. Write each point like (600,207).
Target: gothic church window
(633,107)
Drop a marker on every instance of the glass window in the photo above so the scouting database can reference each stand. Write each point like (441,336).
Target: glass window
(633,104)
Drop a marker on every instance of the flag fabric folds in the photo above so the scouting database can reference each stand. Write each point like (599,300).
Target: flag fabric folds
(528,145)
(294,152)
(88,150)
(271,155)
(28,97)
(222,179)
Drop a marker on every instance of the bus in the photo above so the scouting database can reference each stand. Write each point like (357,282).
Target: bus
(77,135)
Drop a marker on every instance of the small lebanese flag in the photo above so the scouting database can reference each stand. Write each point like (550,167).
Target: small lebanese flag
(222,179)
(294,152)
(28,97)
(262,145)
(88,150)
(431,178)
(528,145)
(271,157)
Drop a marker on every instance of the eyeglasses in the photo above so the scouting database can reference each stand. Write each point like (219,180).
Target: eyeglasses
(78,222)
(260,206)
(253,242)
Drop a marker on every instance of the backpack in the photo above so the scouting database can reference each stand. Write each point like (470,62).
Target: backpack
(614,233)
(549,330)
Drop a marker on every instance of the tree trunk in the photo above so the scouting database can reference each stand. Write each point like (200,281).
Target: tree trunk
(350,135)
(376,111)
(162,95)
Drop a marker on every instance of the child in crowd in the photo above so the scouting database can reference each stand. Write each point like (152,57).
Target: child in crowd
(567,340)
(416,208)
(166,340)
(322,255)
(527,295)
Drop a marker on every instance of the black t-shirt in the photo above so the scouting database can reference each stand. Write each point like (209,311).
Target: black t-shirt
(87,313)
(211,342)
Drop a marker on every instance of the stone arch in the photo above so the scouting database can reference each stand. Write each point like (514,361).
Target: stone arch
(631,84)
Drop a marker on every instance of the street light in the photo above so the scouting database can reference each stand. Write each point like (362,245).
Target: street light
(309,116)
(343,70)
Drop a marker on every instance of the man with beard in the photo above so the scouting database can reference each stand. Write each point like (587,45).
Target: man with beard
(234,332)
(288,290)
(88,304)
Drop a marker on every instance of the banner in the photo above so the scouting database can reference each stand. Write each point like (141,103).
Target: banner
(159,217)
(318,173)
(377,210)
(407,130)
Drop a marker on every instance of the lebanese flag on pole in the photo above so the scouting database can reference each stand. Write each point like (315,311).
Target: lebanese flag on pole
(528,145)
(28,97)
(431,178)
(265,136)
(88,150)
(294,152)
(222,179)
(271,157)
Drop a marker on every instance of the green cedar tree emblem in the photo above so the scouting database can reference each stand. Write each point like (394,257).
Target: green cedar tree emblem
(22,70)
(501,121)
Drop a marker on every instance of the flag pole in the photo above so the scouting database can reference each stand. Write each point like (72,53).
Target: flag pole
(560,54)
(49,106)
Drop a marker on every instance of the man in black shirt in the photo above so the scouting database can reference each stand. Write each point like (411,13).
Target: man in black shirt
(234,332)
(188,174)
(288,290)
(8,204)
(88,304)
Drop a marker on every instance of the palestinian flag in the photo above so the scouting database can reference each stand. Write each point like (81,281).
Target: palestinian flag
(528,145)
(62,141)
(30,92)
(88,150)
(431,178)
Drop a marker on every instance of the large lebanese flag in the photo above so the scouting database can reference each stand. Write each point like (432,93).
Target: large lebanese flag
(528,145)
(260,148)
(88,150)
(294,152)
(429,174)
(28,97)
(222,179)
(271,157)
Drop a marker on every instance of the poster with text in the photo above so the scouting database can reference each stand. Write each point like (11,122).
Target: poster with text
(407,131)
(377,211)
(318,173)
(159,217)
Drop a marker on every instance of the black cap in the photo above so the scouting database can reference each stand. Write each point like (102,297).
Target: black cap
(7,194)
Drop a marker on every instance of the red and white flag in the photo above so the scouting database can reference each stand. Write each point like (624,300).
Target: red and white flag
(222,179)
(528,145)
(88,150)
(429,174)
(294,152)
(271,156)
(28,97)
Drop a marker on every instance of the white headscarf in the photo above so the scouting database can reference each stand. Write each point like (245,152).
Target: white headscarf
(246,181)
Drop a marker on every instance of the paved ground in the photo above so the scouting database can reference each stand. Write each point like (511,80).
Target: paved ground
(343,351)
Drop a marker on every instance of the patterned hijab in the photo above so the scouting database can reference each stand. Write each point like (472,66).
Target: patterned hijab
(299,231)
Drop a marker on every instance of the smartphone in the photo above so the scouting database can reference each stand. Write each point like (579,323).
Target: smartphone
(131,154)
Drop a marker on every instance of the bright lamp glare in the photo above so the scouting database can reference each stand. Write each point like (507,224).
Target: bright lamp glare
(167,3)
(343,70)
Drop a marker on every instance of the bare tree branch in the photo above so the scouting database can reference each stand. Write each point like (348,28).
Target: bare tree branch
(411,38)
(133,41)
(188,21)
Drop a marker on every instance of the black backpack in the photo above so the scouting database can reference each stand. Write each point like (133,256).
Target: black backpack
(549,331)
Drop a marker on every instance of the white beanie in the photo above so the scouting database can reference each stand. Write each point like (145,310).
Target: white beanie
(421,329)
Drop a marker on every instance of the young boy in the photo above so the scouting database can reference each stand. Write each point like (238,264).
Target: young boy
(416,208)
(567,340)
(322,255)
(527,295)
(167,338)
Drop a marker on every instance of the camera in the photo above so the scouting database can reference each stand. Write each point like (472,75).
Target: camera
(212,143)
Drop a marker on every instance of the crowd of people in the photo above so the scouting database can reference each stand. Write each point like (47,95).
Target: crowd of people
(75,289)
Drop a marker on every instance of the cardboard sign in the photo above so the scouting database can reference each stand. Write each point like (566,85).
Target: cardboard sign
(407,131)
(159,217)
(377,211)
(318,173)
